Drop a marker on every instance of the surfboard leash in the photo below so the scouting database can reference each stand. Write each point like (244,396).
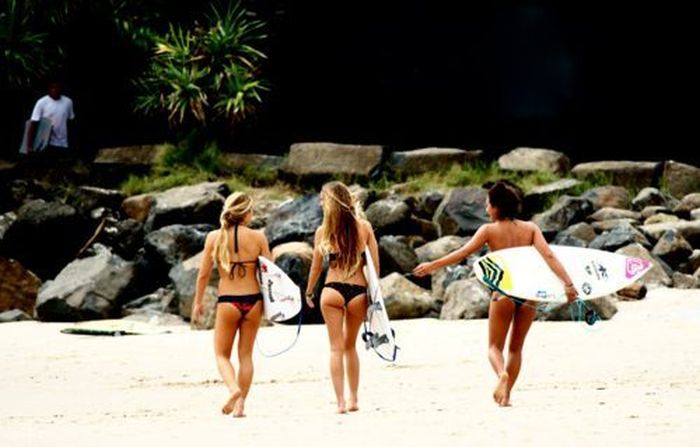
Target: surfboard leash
(294,342)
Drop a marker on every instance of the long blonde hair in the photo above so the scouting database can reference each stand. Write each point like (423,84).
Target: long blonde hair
(340,228)
(236,206)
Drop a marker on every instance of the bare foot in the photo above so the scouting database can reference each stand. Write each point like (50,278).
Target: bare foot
(506,401)
(239,408)
(341,407)
(231,402)
(500,394)
(353,405)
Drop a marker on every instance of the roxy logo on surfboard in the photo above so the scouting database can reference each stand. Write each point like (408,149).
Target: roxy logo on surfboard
(635,265)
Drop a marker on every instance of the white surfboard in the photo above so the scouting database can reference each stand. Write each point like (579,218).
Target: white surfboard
(281,295)
(522,272)
(378,334)
(41,137)
(121,327)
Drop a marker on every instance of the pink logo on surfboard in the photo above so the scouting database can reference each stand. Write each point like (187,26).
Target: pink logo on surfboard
(635,266)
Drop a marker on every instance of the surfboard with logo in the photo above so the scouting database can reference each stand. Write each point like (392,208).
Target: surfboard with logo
(378,333)
(522,272)
(281,295)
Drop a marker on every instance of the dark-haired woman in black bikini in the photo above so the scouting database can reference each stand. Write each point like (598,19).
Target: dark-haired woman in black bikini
(235,249)
(342,239)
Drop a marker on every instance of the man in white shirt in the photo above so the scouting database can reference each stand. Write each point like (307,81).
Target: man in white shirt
(58,109)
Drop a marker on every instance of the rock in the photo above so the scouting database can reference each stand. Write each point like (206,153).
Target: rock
(294,220)
(652,197)
(465,299)
(581,231)
(18,286)
(462,211)
(88,288)
(694,261)
(442,278)
(683,281)
(681,179)
(565,212)
(51,229)
(294,258)
(427,203)
(403,299)
(604,306)
(173,244)
(263,206)
(529,159)
(607,225)
(661,218)
(620,236)
(389,216)
(614,213)
(536,198)
(144,155)
(138,207)
(6,220)
(689,230)
(184,278)
(193,204)
(124,237)
(695,214)
(162,300)
(569,241)
(608,196)
(395,255)
(636,291)
(88,198)
(656,276)
(426,229)
(652,210)
(632,174)
(430,159)
(327,159)
(13,315)
(672,248)
(362,195)
(689,203)
(439,248)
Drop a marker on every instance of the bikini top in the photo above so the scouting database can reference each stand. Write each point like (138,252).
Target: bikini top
(240,265)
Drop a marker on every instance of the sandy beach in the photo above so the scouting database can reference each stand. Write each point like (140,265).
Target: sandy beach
(633,380)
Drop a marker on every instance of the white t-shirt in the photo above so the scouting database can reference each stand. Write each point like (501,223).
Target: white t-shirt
(58,112)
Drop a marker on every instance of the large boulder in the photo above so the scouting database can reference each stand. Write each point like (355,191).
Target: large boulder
(442,278)
(138,207)
(608,213)
(661,218)
(403,299)
(124,237)
(462,211)
(184,278)
(144,155)
(530,159)
(672,248)
(652,197)
(657,275)
(622,173)
(681,179)
(427,203)
(620,236)
(604,306)
(173,244)
(430,159)
(536,198)
(608,196)
(564,213)
(192,204)
(13,315)
(327,159)
(689,203)
(88,288)
(18,286)
(609,225)
(389,216)
(45,236)
(87,198)
(684,281)
(294,220)
(439,248)
(465,299)
(689,230)
(163,300)
(396,255)
(581,231)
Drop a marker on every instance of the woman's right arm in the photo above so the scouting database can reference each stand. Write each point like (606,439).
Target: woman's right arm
(203,275)
(476,242)
(315,270)
(553,262)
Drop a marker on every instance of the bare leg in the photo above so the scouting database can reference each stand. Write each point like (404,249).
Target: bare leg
(500,316)
(248,331)
(225,326)
(332,309)
(522,320)
(356,311)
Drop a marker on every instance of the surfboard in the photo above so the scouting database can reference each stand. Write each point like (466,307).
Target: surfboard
(121,327)
(41,138)
(281,295)
(378,333)
(522,272)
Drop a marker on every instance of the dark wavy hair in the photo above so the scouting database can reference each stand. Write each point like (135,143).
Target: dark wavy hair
(506,198)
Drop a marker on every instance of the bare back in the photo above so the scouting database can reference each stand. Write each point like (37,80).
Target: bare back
(510,233)
(243,280)
(358,277)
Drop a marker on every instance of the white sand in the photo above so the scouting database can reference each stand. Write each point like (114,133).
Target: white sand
(634,380)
